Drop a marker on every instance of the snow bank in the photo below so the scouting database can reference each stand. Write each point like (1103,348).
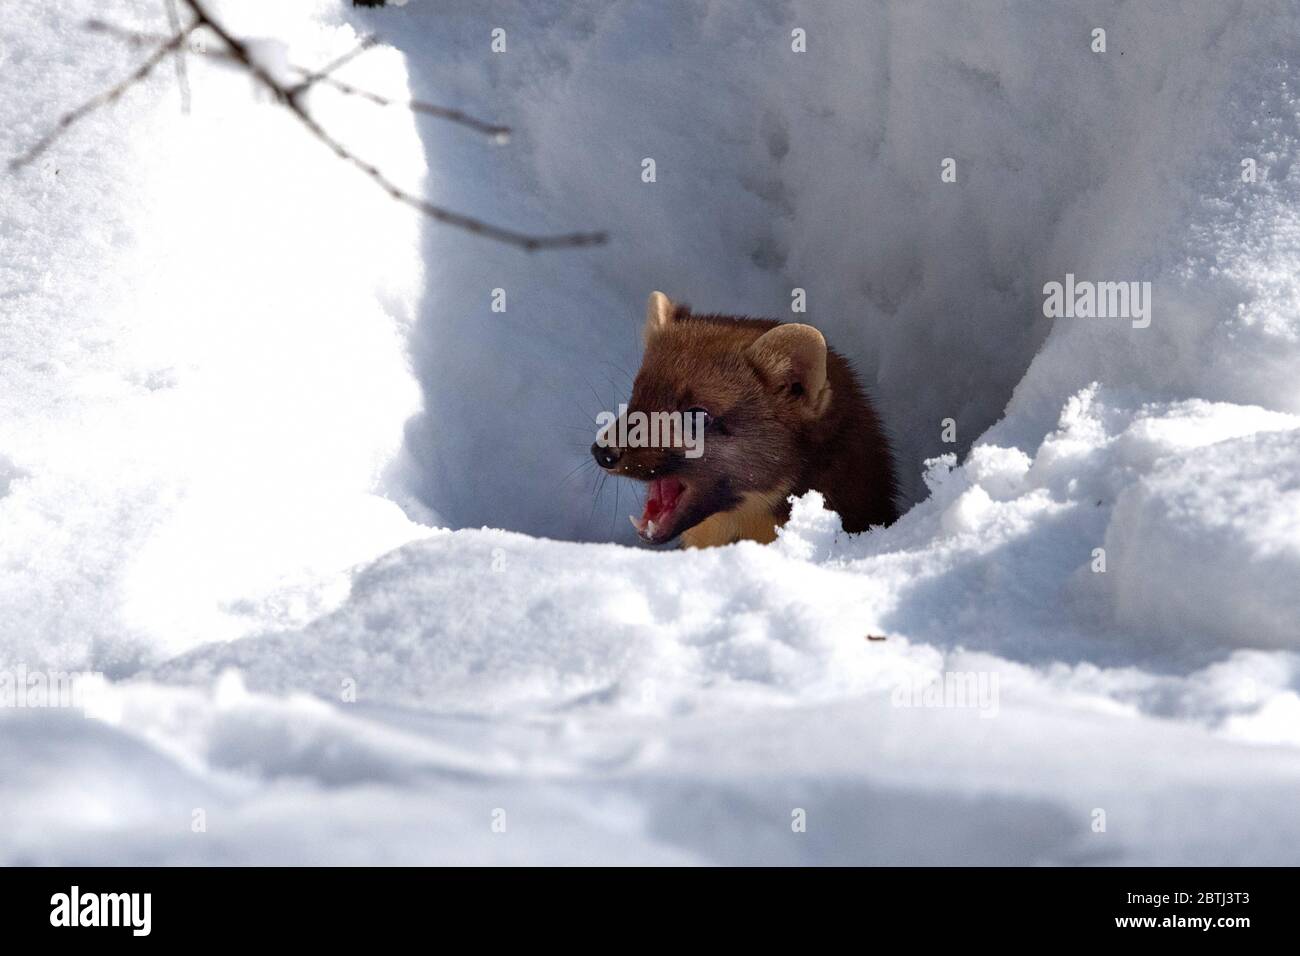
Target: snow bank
(778,170)
(685,705)
(1078,646)
(203,377)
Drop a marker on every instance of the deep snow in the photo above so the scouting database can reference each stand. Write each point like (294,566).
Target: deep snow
(219,487)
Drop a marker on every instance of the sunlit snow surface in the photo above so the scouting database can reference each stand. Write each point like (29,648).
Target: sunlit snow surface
(243,396)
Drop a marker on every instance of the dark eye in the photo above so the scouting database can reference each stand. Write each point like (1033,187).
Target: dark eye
(698,410)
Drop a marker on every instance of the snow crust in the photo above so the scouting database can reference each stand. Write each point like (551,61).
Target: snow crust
(253,415)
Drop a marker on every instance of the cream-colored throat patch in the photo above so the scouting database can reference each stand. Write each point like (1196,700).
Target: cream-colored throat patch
(752,520)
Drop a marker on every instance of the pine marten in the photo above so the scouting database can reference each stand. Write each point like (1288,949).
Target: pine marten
(781,413)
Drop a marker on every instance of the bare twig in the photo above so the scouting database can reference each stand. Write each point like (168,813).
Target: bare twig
(324,77)
(95,102)
(415,106)
(292,98)
(313,76)
(182,76)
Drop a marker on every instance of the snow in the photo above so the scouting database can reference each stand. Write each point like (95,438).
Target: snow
(272,467)
(194,373)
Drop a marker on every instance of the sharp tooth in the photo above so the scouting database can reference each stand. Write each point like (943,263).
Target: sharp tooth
(636,523)
(650,529)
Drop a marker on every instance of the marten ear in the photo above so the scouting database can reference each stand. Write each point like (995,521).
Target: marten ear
(791,360)
(659,311)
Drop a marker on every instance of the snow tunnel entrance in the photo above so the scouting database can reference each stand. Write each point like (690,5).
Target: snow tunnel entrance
(916,202)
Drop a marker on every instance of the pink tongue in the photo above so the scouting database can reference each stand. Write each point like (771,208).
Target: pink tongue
(661,499)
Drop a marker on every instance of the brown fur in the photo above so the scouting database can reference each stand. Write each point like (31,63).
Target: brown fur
(788,416)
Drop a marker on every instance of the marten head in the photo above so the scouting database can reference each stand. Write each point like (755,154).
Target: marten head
(724,407)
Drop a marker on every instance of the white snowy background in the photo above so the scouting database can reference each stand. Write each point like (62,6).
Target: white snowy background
(254,415)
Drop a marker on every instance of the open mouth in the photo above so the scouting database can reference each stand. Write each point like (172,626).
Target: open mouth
(662,505)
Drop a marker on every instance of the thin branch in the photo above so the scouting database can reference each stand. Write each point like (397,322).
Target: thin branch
(313,76)
(324,77)
(108,96)
(182,75)
(501,133)
(292,100)
(291,97)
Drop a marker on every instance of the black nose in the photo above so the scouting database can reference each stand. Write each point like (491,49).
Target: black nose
(605,456)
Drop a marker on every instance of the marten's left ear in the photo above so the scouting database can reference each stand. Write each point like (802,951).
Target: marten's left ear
(659,310)
(791,360)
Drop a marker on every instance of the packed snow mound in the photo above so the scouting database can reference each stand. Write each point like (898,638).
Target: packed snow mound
(224,775)
(1226,523)
(219,488)
(821,171)
(202,376)
(1112,513)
